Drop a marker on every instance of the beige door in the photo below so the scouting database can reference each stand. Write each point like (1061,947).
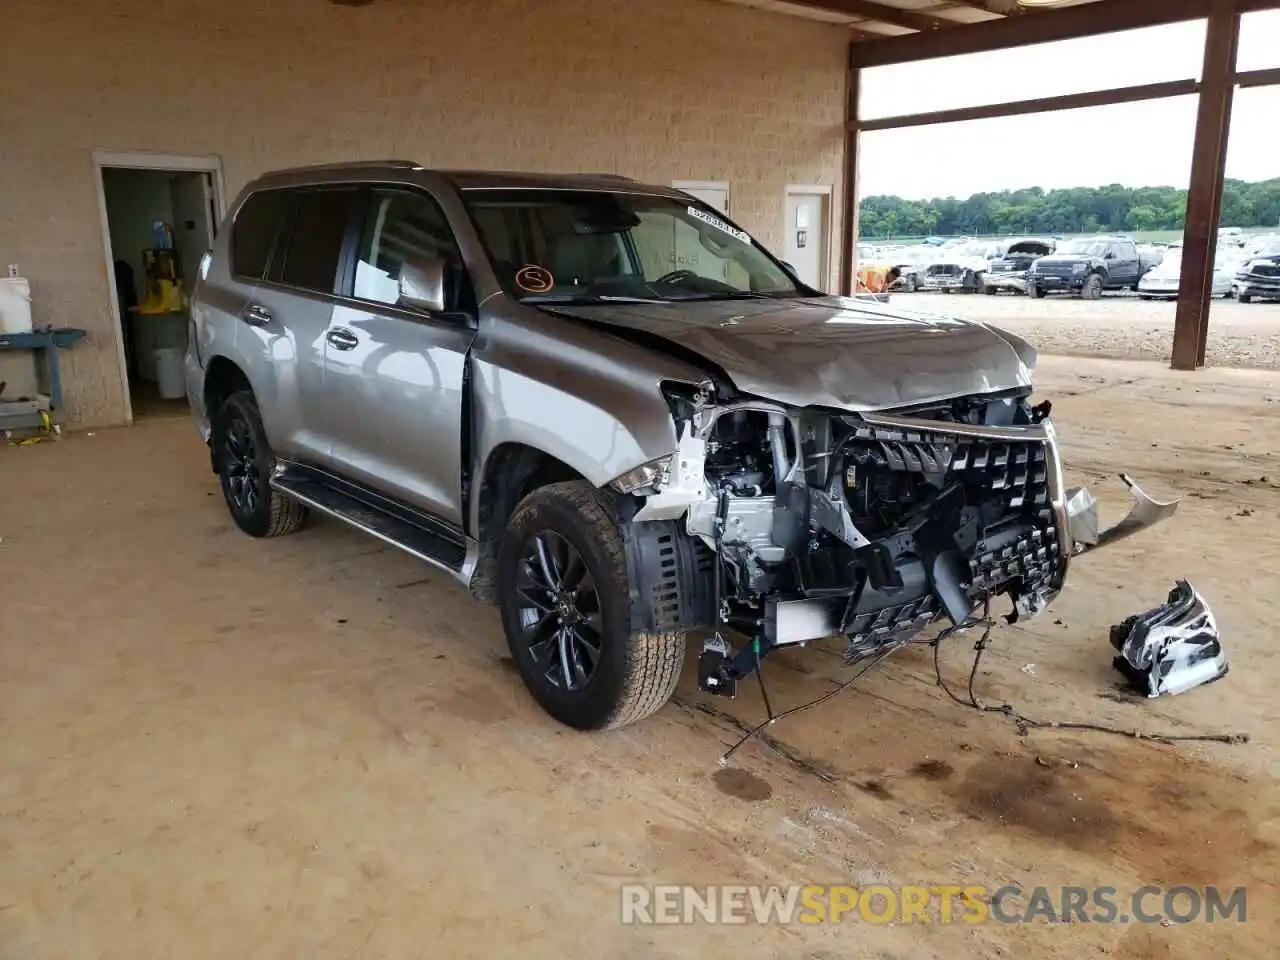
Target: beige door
(807,229)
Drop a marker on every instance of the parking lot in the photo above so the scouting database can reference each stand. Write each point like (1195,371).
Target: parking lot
(1118,326)
(319,747)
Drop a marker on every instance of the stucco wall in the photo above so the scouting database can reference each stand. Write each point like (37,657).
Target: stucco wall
(666,89)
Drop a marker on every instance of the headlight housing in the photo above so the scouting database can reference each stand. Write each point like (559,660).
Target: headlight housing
(652,476)
(1079,268)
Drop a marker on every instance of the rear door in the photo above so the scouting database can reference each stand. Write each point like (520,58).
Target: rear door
(289,315)
(394,373)
(1124,264)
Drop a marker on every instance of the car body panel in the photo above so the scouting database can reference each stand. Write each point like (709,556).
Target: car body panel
(835,352)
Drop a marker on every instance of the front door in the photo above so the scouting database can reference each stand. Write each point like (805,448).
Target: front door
(806,236)
(394,373)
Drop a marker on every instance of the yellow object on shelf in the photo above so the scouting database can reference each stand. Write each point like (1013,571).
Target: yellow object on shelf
(163,296)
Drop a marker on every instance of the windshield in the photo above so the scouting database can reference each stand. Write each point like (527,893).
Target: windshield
(578,245)
(1086,247)
(1271,250)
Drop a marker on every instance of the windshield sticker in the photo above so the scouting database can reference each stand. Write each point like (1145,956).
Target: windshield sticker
(720,225)
(534,279)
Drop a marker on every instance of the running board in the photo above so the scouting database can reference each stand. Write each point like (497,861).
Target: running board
(421,535)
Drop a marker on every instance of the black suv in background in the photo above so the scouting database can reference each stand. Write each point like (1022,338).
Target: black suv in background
(1088,266)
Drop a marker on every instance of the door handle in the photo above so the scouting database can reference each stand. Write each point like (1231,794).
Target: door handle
(256,315)
(342,338)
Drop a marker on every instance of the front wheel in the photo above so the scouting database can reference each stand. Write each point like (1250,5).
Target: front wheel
(565,599)
(245,463)
(1035,292)
(1092,288)
(1245,297)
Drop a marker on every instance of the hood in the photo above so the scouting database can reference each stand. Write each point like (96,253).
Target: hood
(850,354)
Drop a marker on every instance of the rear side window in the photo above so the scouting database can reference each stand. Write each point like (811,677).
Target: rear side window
(254,232)
(315,244)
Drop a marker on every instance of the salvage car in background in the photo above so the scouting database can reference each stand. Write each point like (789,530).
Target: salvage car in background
(1010,271)
(1088,266)
(1259,277)
(1162,281)
(963,267)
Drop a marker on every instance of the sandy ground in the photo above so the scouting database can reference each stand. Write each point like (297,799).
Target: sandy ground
(221,747)
(1120,325)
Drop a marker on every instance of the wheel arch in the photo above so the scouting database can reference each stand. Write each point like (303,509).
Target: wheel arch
(222,378)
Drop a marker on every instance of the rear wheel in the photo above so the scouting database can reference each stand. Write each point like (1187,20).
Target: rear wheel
(565,599)
(245,462)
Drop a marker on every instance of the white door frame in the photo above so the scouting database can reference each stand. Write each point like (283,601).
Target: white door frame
(142,160)
(809,190)
(687,185)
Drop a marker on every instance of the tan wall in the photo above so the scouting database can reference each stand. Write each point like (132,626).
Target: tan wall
(659,90)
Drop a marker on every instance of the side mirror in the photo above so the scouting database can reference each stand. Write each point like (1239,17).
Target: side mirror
(1110,255)
(422,284)
(790,268)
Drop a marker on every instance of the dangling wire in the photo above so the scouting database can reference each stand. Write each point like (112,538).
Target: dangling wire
(1025,723)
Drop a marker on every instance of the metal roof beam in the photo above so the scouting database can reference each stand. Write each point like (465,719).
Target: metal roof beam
(879,12)
(1085,20)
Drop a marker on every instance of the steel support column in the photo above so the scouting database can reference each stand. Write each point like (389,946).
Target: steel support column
(849,187)
(1204,196)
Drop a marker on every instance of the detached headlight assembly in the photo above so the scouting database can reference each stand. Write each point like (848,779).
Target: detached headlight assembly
(652,475)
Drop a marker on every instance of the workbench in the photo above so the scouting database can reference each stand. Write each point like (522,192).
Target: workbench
(17,414)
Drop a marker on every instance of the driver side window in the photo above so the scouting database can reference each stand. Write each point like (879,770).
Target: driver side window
(399,228)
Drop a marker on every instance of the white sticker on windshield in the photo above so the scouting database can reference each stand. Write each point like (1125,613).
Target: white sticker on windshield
(719,225)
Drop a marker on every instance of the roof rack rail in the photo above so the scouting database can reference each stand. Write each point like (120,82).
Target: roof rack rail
(358,164)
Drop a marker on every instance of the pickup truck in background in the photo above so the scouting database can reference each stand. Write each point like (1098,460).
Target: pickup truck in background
(1088,266)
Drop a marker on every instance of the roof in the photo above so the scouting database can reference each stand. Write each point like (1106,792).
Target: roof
(407,170)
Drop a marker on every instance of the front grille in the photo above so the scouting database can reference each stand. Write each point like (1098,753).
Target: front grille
(1018,470)
(943,270)
(1056,269)
(1032,559)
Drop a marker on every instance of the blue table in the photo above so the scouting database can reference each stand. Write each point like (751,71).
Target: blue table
(47,342)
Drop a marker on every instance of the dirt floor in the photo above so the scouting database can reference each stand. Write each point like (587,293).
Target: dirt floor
(1120,325)
(216,746)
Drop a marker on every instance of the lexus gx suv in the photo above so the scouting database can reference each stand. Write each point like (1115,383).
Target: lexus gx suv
(607,409)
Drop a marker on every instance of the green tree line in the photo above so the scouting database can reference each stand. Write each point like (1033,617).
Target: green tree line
(1074,210)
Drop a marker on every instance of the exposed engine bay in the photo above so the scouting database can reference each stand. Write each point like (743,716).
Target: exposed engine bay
(868,526)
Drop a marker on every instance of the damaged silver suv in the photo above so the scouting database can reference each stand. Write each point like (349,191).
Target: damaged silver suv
(607,409)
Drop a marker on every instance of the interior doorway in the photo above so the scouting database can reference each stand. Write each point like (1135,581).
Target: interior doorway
(160,215)
(807,229)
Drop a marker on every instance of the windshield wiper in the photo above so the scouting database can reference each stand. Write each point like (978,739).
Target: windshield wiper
(735,295)
(577,299)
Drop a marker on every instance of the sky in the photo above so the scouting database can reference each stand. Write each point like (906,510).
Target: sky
(1136,144)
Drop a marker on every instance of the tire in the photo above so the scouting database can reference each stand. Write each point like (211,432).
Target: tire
(245,462)
(1035,292)
(911,284)
(989,291)
(1092,288)
(633,673)
(1245,297)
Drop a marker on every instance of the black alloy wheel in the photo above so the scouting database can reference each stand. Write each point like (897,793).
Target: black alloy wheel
(559,611)
(240,463)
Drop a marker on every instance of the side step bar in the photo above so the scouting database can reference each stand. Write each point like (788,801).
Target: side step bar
(426,537)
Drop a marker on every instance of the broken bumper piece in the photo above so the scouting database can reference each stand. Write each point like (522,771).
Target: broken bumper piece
(1082,516)
(1172,648)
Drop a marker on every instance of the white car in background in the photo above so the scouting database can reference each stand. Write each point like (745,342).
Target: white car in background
(1162,281)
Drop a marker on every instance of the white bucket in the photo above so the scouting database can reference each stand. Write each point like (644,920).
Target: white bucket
(169,373)
(15,305)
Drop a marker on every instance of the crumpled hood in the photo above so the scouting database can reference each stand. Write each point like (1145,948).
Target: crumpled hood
(836,352)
